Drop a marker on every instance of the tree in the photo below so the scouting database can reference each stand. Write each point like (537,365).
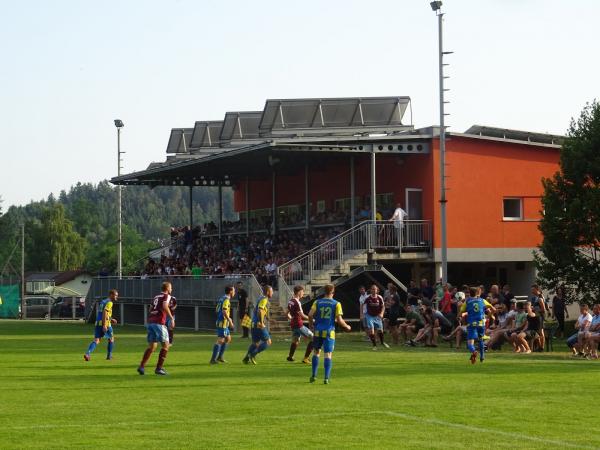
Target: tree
(570,251)
(52,243)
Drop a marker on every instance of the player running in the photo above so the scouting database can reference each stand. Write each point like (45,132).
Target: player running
(157,330)
(299,330)
(475,308)
(374,316)
(104,323)
(261,339)
(223,324)
(324,313)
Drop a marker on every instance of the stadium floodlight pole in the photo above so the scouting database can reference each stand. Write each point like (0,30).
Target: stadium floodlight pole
(22,269)
(119,124)
(436,6)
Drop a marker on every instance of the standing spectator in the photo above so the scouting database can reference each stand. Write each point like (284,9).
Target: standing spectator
(445,305)
(362,307)
(172,307)
(398,219)
(559,309)
(242,298)
(539,307)
(506,296)
(374,316)
(426,292)
(413,293)
(392,312)
(534,326)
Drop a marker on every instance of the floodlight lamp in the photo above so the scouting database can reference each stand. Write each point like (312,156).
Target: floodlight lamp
(436,6)
(119,123)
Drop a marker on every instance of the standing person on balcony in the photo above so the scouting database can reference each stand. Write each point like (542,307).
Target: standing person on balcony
(398,218)
(299,330)
(223,324)
(374,316)
(261,339)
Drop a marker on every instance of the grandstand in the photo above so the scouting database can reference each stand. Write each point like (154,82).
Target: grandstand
(330,171)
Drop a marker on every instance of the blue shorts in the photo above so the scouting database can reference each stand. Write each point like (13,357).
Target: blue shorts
(373,322)
(302,331)
(157,333)
(327,343)
(475,333)
(260,334)
(222,332)
(99,333)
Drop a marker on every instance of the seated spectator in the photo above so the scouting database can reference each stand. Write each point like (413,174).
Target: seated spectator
(592,336)
(414,323)
(504,321)
(575,342)
(430,322)
(516,334)
(426,292)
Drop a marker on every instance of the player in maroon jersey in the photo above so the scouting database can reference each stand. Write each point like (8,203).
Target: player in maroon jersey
(157,330)
(299,330)
(374,316)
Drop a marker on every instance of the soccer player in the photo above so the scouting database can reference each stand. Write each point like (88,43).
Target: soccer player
(223,324)
(104,323)
(475,308)
(157,330)
(374,316)
(324,314)
(261,339)
(172,307)
(299,330)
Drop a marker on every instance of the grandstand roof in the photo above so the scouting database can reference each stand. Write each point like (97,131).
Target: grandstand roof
(288,133)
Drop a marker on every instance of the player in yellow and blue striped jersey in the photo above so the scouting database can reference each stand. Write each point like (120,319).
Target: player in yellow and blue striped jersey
(224,322)
(324,314)
(475,308)
(104,323)
(261,339)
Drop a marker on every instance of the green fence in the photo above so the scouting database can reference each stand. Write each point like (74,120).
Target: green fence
(9,301)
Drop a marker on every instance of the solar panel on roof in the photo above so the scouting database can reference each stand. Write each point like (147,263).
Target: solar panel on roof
(240,125)
(179,141)
(332,112)
(206,134)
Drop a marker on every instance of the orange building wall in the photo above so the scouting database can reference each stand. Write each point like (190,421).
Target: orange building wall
(480,174)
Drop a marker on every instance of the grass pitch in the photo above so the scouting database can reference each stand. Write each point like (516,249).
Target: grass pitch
(402,397)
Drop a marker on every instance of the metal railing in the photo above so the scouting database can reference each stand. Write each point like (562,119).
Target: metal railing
(381,235)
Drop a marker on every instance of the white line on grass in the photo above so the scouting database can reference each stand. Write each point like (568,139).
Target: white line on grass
(444,423)
(484,430)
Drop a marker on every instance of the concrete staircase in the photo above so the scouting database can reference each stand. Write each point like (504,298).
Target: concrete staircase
(349,250)
(278,321)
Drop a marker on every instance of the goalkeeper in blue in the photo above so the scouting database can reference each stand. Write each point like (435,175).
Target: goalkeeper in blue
(323,315)
(475,308)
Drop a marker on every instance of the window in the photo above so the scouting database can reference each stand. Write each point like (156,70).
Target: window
(513,209)
(321,206)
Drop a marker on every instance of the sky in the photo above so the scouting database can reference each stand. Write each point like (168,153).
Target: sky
(72,66)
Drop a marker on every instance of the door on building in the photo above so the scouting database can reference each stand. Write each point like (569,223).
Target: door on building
(414,209)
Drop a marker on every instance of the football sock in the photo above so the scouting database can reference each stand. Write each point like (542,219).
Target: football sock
(223,348)
(161,358)
(327,363)
(380,333)
(251,350)
(170,336)
(315,365)
(146,357)
(293,347)
(372,337)
(216,350)
(262,347)
(109,351)
(470,346)
(309,348)
(91,347)
(481,348)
